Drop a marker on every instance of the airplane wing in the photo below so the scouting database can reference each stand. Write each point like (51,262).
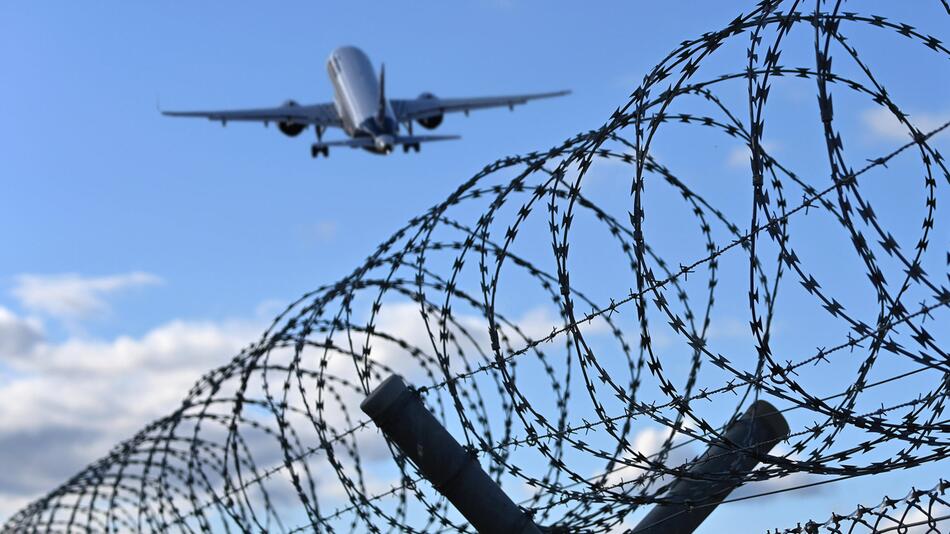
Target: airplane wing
(319,114)
(422,108)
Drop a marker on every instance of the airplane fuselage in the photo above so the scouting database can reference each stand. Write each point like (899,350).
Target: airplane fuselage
(356,96)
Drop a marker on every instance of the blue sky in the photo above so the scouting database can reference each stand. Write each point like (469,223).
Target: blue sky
(122,228)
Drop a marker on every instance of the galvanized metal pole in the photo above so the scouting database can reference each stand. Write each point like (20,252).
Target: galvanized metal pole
(759,429)
(399,412)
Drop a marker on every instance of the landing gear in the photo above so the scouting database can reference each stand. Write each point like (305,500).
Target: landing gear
(316,150)
(410,146)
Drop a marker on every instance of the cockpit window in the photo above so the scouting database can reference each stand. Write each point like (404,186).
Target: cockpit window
(336,63)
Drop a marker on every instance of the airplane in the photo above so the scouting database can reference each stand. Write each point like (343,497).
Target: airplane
(360,108)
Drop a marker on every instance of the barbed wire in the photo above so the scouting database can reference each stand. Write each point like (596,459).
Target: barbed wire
(921,510)
(587,417)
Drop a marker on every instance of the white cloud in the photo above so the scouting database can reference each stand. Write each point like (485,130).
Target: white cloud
(882,123)
(538,322)
(316,233)
(71,296)
(67,403)
(17,335)
(729,328)
(601,171)
(404,321)
(649,442)
(325,230)
(741,156)
(798,483)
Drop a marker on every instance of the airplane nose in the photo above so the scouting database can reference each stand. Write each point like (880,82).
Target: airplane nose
(384,143)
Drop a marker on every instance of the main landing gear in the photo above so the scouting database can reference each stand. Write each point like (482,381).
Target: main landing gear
(410,146)
(316,150)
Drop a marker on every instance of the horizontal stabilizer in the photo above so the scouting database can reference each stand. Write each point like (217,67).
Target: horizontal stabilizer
(407,139)
(358,142)
(369,142)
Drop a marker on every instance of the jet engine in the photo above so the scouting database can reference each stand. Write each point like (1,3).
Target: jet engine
(433,121)
(289,128)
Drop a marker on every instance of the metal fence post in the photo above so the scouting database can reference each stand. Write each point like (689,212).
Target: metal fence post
(759,429)
(455,473)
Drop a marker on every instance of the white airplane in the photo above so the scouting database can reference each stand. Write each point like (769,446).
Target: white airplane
(361,109)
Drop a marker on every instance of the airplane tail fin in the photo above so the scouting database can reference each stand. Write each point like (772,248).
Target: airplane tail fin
(381,111)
